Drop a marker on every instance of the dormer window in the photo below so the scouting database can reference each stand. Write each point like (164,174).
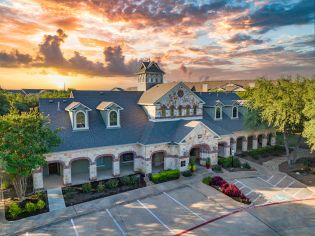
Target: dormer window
(79,117)
(113,119)
(218,112)
(110,113)
(234,112)
(80,120)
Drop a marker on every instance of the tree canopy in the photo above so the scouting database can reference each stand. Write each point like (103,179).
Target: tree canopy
(24,139)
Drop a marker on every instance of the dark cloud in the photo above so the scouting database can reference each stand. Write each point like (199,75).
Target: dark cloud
(50,55)
(278,13)
(15,58)
(244,38)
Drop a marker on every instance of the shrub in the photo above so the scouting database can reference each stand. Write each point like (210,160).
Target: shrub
(187,173)
(134,180)
(39,195)
(30,207)
(4,185)
(112,183)
(125,180)
(40,204)
(217,168)
(246,165)
(100,187)
(218,181)
(165,176)
(86,188)
(227,162)
(207,180)
(231,190)
(14,210)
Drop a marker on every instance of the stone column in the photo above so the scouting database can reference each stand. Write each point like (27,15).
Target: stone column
(38,181)
(116,168)
(147,166)
(93,172)
(255,143)
(264,142)
(233,145)
(67,175)
(227,151)
(273,141)
(244,145)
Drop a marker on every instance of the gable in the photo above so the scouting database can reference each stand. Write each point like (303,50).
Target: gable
(178,95)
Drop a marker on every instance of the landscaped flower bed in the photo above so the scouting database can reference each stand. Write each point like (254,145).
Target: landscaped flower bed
(228,189)
(34,204)
(76,194)
(164,176)
(233,164)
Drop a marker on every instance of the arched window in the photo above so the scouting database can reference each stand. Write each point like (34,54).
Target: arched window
(180,110)
(113,118)
(195,110)
(80,120)
(163,111)
(218,112)
(187,110)
(234,112)
(172,111)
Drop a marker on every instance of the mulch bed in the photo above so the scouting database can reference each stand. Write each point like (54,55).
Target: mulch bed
(80,197)
(299,172)
(30,198)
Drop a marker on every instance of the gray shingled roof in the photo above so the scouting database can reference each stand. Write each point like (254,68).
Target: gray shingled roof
(149,66)
(104,105)
(135,126)
(227,98)
(155,93)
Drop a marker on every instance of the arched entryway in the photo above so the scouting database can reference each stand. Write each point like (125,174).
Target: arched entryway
(104,167)
(198,153)
(239,144)
(126,160)
(158,161)
(223,149)
(269,138)
(260,140)
(250,142)
(80,171)
(194,155)
(53,175)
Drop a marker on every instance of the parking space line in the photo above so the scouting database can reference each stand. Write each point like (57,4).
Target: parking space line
(246,186)
(179,203)
(296,193)
(157,218)
(290,184)
(265,181)
(269,178)
(116,223)
(256,198)
(280,181)
(74,228)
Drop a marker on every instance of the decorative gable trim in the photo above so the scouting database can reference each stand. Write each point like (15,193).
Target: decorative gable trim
(74,105)
(105,105)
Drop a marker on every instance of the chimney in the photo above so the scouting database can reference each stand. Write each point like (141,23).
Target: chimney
(204,87)
(58,108)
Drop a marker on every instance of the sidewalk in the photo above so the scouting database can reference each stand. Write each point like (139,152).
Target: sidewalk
(55,199)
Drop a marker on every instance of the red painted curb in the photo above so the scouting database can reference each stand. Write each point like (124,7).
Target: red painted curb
(237,211)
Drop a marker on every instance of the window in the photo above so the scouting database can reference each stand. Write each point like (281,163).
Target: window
(195,110)
(187,110)
(127,158)
(163,111)
(180,110)
(235,112)
(182,163)
(113,118)
(218,112)
(100,161)
(172,111)
(80,120)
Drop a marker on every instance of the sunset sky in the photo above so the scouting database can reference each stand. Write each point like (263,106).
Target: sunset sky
(97,44)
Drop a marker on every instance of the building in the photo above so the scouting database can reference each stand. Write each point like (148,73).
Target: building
(161,126)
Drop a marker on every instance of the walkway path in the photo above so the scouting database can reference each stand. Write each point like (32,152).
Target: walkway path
(55,199)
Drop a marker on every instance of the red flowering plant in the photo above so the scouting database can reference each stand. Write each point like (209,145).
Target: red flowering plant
(218,181)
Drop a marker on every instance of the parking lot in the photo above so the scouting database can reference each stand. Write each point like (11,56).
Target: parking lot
(173,212)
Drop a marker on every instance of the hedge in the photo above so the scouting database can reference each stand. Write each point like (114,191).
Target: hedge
(164,176)
(266,151)
(227,162)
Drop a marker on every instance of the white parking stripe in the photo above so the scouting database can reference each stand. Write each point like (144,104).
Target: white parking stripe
(290,184)
(256,198)
(245,185)
(296,193)
(265,181)
(269,178)
(157,218)
(280,181)
(116,223)
(179,203)
(75,229)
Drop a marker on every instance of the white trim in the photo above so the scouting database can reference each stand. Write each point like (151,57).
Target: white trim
(215,112)
(235,106)
(86,121)
(176,118)
(118,119)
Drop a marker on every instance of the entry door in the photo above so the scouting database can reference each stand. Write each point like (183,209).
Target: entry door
(53,168)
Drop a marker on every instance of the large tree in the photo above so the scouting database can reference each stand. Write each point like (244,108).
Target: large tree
(309,112)
(24,139)
(280,104)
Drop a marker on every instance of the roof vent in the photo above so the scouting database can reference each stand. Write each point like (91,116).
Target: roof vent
(50,101)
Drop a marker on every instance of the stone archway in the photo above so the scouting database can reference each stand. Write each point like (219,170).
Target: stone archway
(104,166)
(199,153)
(80,170)
(158,159)
(126,162)
(239,144)
(53,174)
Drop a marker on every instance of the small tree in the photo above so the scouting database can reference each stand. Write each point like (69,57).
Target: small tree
(24,139)
(280,104)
